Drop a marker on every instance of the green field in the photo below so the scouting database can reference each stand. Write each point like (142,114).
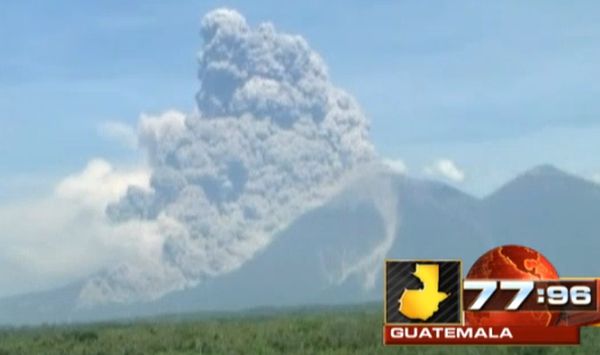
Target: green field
(309,331)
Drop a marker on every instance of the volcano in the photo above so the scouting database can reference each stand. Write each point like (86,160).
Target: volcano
(323,257)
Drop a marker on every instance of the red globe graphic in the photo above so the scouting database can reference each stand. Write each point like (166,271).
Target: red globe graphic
(512,262)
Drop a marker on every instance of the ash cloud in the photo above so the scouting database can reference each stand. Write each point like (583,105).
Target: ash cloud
(271,139)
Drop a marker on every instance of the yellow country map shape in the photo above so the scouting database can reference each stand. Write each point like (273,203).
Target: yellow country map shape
(423,303)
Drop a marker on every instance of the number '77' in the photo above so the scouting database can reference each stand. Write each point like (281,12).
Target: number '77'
(488,287)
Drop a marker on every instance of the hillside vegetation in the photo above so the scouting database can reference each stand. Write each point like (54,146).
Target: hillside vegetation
(309,331)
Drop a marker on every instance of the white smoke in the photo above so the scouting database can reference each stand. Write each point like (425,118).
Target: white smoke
(272,138)
(376,188)
(385,200)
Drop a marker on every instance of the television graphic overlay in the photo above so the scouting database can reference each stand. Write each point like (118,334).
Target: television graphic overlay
(511,295)
(423,292)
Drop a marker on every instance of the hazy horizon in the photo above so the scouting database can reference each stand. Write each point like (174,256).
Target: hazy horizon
(158,147)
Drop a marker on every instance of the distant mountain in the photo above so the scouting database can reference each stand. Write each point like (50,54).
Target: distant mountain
(553,212)
(323,256)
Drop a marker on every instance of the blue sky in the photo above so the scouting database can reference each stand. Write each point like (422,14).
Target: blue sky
(496,87)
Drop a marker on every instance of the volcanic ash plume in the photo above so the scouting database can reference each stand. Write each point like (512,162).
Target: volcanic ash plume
(271,139)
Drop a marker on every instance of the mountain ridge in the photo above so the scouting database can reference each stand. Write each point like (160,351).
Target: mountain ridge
(320,257)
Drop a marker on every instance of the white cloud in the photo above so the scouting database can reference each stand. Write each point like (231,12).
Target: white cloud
(65,234)
(396,165)
(447,169)
(99,184)
(272,138)
(119,132)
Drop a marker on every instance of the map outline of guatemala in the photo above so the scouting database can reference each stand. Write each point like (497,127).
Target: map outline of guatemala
(423,303)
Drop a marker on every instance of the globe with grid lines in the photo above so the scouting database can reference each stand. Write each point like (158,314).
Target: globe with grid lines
(512,262)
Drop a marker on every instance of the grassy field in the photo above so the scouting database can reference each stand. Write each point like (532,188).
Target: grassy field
(322,331)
